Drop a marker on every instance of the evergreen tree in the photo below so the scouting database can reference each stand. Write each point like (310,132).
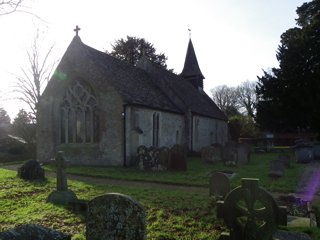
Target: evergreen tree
(288,96)
(132,49)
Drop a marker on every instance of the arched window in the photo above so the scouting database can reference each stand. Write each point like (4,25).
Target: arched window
(79,116)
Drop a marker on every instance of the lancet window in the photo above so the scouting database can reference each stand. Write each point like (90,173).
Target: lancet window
(79,115)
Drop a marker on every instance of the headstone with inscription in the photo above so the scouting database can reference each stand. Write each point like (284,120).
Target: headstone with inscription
(115,216)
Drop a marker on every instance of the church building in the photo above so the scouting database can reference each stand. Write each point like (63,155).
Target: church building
(99,109)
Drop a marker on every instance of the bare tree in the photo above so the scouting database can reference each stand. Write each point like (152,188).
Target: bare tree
(9,6)
(226,99)
(247,97)
(35,77)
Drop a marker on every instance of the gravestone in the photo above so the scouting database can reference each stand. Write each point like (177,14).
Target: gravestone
(33,232)
(144,158)
(178,158)
(31,170)
(219,185)
(303,152)
(250,212)
(62,195)
(277,168)
(149,158)
(164,157)
(230,154)
(115,216)
(211,154)
(243,153)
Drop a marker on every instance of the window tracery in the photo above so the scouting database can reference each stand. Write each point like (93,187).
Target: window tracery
(79,115)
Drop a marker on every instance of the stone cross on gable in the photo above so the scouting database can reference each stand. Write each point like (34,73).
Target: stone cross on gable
(77,29)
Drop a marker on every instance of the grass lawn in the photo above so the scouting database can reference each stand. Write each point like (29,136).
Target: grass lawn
(171,214)
(198,173)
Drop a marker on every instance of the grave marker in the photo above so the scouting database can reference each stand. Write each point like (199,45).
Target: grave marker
(178,158)
(219,185)
(62,195)
(277,168)
(250,212)
(115,216)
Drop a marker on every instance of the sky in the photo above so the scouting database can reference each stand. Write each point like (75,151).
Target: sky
(234,40)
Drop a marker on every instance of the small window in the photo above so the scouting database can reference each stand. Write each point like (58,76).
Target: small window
(155,130)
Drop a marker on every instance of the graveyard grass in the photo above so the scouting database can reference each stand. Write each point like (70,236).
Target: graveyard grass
(198,173)
(170,214)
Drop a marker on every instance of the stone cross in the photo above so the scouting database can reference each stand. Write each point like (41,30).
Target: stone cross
(61,165)
(77,29)
(250,212)
(62,195)
(115,216)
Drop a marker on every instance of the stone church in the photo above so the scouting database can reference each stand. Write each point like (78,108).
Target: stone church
(98,109)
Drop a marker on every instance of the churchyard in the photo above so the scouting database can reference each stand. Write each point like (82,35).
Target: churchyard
(185,211)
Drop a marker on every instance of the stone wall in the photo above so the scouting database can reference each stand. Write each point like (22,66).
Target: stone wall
(107,151)
(207,131)
(139,129)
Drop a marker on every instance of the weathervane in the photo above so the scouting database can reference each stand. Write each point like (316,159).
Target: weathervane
(189,32)
(77,29)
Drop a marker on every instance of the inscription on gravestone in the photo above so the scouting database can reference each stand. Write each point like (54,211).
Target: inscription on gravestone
(115,216)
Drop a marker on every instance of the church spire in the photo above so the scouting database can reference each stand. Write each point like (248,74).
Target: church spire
(191,70)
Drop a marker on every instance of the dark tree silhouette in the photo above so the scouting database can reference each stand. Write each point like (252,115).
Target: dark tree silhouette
(132,49)
(288,96)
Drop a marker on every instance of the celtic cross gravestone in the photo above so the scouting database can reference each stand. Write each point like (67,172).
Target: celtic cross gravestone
(250,212)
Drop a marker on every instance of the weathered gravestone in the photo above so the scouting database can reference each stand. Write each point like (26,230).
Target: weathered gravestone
(277,168)
(178,158)
(164,155)
(219,185)
(250,212)
(152,158)
(31,170)
(211,154)
(230,154)
(33,232)
(303,152)
(243,153)
(115,216)
(62,195)
(144,158)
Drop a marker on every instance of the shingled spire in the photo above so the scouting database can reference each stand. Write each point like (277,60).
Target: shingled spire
(191,70)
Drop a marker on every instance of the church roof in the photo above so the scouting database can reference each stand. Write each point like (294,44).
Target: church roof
(191,67)
(149,86)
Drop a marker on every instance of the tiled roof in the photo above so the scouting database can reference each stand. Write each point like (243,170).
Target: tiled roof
(149,85)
